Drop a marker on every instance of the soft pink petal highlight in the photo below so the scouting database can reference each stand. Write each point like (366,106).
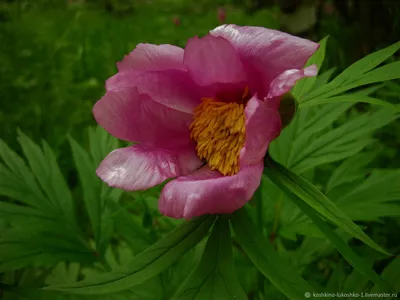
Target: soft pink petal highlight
(208,192)
(267,53)
(130,116)
(172,88)
(285,81)
(148,57)
(141,167)
(213,60)
(263,124)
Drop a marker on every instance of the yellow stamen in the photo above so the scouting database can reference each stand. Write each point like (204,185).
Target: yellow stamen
(218,128)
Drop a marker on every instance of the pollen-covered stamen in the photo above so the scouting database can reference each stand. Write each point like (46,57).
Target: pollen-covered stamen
(218,128)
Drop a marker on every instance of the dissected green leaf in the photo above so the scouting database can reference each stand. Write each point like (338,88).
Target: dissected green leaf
(63,273)
(350,170)
(214,277)
(41,247)
(294,185)
(311,250)
(350,99)
(392,275)
(13,211)
(366,64)
(137,237)
(47,172)
(315,123)
(373,197)
(304,85)
(355,282)
(351,77)
(381,185)
(343,141)
(149,290)
(265,258)
(337,278)
(323,78)
(18,182)
(101,143)
(96,194)
(45,232)
(360,264)
(91,189)
(147,264)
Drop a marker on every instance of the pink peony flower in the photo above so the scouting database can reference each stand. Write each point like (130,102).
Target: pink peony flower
(204,115)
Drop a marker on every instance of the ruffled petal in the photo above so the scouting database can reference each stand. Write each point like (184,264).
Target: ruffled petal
(285,81)
(266,53)
(213,60)
(263,124)
(131,116)
(148,57)
(209,192)
(172,88)
(141,167)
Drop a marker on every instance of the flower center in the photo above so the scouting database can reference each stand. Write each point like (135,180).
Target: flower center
(218,128)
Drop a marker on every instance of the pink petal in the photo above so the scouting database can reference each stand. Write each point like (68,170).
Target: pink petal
(265,52)
(285,81)
(213,60)
(148,57)
(209,192)
(130,116)
(263,124)
(172,88)
(141,167)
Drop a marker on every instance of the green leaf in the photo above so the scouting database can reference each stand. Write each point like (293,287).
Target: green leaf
(63,273)
(41,247)
(343,141)
(362,265)
(380,186)
(350,170)
(348,78)
(323,78)
(373,197)
(366,64)
(311,250)
(299,188)
(315,123)
(47,172)
(149,290)
(91,190)
(264,257)
(214,277)
(355,282)
(18,182)
(101,143)
(337,278)
(385,73)
(147,264)
(137,237)
(304,85)
(351,99)
(46,232)
(97,195)
(392,275)
(11,211)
